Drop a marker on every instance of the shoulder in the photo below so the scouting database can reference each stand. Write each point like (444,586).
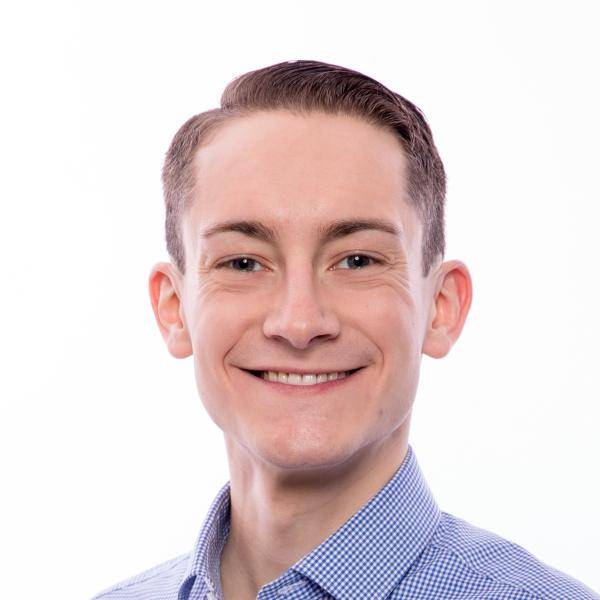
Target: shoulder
(158,583)
(500,564)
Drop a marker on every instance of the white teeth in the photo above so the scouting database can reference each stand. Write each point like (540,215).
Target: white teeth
(298,379)
(294,379)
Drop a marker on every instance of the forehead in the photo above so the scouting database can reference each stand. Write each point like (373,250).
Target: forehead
(297,172)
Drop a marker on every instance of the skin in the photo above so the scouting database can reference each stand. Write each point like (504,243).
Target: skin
(304,460)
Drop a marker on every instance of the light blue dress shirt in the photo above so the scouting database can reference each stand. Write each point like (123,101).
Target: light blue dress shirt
(399,545)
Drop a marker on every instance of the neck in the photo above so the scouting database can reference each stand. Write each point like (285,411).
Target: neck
(278,517)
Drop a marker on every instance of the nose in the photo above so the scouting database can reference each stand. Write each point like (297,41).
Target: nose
(298,314)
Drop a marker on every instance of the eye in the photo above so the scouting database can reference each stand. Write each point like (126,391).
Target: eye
(356,261)
(242,263)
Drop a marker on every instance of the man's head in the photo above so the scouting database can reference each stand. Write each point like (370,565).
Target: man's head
(305,223)
(307,87)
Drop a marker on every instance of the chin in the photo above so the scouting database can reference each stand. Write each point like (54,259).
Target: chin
(302,452)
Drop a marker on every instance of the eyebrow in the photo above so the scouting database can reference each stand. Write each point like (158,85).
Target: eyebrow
(327,233)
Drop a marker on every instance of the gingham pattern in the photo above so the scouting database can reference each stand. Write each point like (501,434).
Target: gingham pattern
(399,545)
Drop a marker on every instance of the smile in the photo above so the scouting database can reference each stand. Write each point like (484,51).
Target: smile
(302,379)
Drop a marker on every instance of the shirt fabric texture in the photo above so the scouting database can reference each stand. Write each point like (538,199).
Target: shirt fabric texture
(399,545)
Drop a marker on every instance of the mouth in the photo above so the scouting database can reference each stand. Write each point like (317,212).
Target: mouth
(303,380)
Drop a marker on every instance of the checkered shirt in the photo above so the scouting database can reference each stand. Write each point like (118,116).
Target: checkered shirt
(399,545)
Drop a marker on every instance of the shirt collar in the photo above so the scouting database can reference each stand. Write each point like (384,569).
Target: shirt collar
(365,558)
(204,560)
(368,555)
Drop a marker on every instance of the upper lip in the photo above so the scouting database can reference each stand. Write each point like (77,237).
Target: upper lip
(300,371)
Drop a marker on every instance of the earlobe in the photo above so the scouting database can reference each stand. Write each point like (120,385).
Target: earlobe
(168,309)
(449,309)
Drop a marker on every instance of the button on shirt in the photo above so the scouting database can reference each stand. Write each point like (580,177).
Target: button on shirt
(399,545)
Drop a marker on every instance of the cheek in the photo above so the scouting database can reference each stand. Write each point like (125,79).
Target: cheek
(388,316)
(224,327)
(392,324)
(217,325)
(219,320)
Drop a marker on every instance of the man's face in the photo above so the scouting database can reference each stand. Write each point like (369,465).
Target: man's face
(302,301)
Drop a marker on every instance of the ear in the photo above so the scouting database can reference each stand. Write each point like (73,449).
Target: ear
(165,287)
(449,308)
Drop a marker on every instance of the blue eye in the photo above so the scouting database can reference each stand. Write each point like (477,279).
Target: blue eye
(356,261)
(242,263)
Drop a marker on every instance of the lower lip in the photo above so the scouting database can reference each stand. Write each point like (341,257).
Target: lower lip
(305,390)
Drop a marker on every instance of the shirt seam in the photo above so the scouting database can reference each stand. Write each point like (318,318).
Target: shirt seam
(519,588)
(126,585)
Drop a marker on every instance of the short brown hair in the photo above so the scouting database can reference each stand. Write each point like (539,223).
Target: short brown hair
(305,86)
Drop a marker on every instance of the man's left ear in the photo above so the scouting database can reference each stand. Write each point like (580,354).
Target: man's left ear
(449,308)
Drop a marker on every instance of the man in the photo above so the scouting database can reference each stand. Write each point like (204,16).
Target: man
(305,221)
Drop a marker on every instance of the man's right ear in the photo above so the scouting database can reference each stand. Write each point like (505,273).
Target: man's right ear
(163,286)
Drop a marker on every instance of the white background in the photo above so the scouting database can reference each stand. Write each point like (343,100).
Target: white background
(109,462)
